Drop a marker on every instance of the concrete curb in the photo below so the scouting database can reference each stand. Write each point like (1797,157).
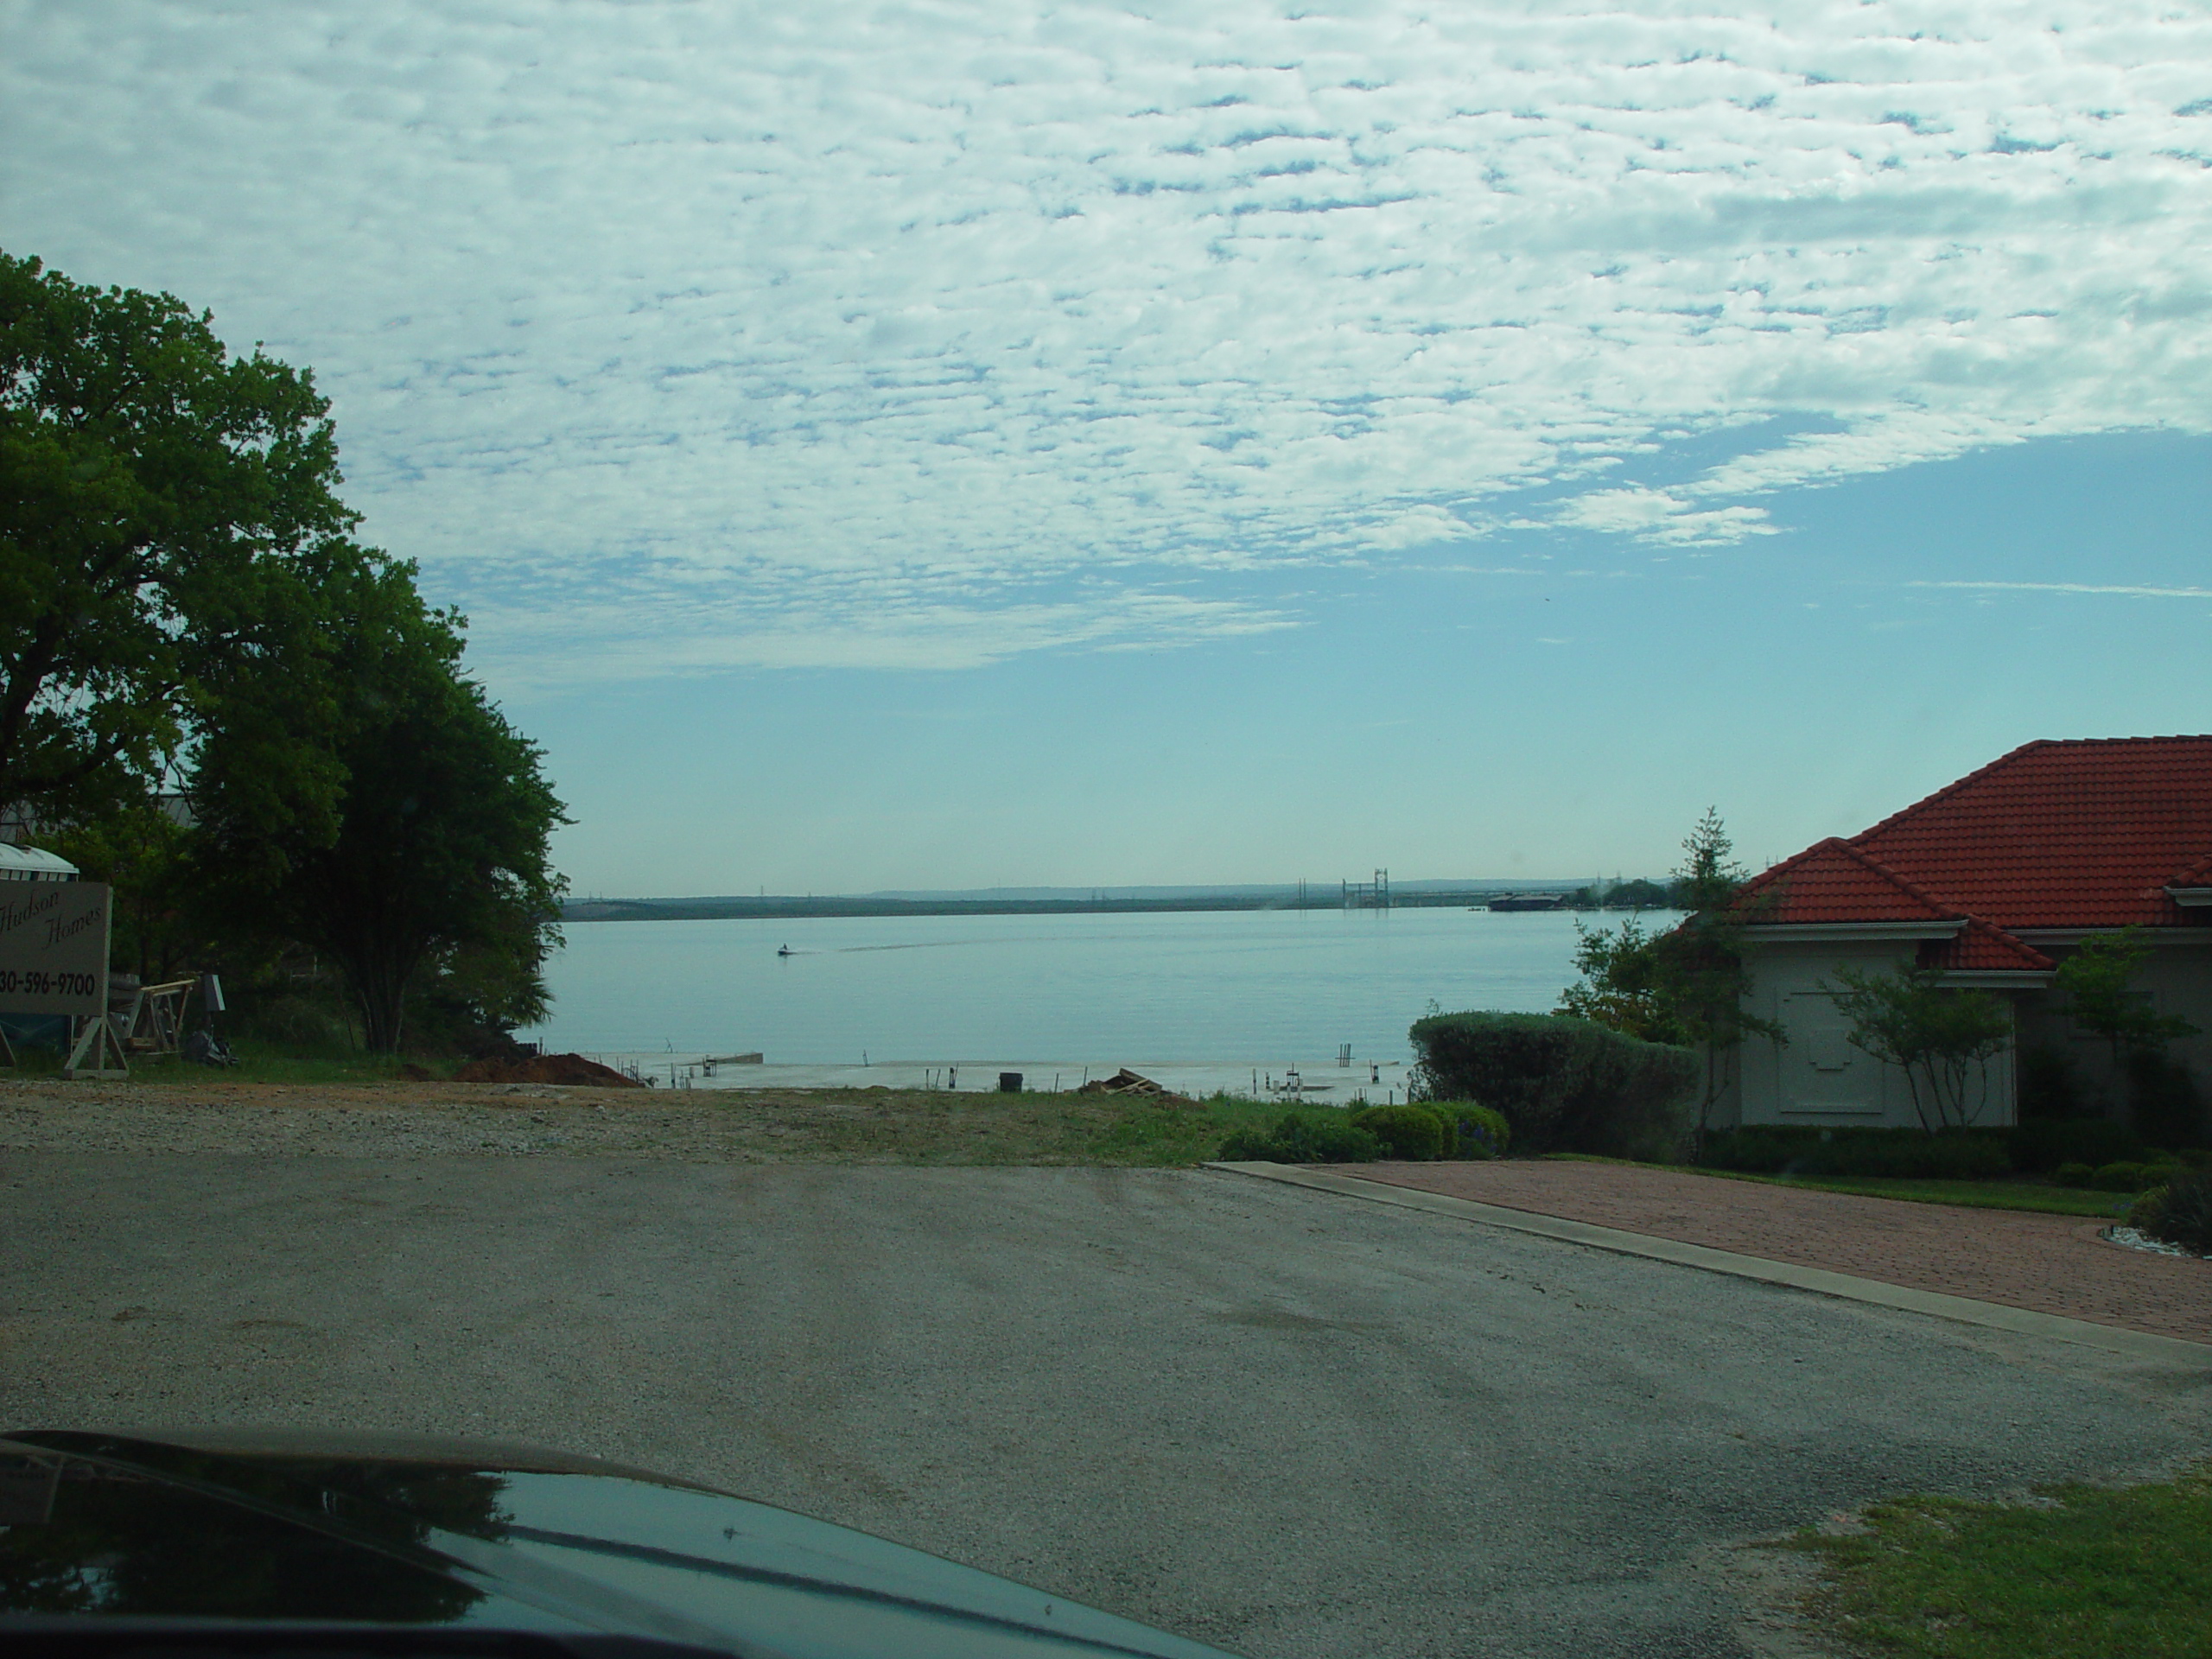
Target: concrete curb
(2137,1344)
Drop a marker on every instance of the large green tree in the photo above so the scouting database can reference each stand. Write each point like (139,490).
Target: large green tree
(181,598)
(438,863)
(167,513)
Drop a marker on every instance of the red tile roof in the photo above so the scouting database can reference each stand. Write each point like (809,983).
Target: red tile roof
(1979,947)
(2083,834)
(1833,881)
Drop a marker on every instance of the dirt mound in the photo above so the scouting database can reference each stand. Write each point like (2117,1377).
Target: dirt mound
(571,1069)
(1125,1082)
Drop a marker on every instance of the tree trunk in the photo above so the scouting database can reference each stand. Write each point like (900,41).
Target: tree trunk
(380,991)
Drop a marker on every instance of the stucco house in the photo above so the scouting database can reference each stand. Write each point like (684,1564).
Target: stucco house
(1994,880)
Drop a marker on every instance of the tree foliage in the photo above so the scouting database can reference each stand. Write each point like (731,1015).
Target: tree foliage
(165,511)
(1687,984)
(180,597)
(141,848)
(1941,1036)
(2099,981)
(440,859)
(1624,985)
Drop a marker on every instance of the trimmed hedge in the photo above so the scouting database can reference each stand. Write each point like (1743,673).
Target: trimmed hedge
(1913,1154)
(1409,1132)
(1483,1131)
(1297,1140)
(2044,1143)
(1561,1084)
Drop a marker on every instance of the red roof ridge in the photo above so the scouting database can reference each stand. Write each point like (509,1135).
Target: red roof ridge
(2011,755)
(1953,788)
(1943,909)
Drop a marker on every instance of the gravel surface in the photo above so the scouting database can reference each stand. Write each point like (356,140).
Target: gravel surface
(1280,1420)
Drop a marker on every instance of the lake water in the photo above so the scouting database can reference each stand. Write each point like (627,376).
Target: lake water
(1224,991)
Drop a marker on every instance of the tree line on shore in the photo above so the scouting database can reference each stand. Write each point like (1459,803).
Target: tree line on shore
(218,699)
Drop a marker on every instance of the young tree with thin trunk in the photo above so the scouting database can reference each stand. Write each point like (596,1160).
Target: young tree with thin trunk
(1941,1036)
(2098,980)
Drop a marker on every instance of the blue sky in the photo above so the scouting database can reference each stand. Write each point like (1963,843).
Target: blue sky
(917,446)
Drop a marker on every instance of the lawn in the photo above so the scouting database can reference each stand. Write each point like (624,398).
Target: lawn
(2012,1193)
(886,1126)
(257,1062)
(2077,1573)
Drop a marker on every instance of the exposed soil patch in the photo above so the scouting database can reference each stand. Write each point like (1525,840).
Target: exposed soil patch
(571,1070)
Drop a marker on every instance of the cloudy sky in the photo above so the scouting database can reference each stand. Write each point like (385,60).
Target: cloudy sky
(933,445)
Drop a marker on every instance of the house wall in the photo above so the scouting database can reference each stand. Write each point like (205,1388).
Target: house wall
(1818,1078)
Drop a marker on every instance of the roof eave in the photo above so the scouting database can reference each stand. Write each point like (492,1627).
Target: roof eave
(1815,932)
(2000,979)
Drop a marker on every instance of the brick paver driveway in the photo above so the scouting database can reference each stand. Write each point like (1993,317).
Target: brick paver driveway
(2052,1264)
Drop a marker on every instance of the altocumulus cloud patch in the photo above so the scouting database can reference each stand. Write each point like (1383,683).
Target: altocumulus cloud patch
(683,336)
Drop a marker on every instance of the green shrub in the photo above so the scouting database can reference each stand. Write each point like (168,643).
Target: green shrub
(1411,1132)
(1910,1154)
(2046,1142)
(2196,1157)
(2121,1177)
(2181,1213)
(1482,1133)
(2072,1175)
(1561,1084)
(298,1025)
(1298,1140)
(2148,1210)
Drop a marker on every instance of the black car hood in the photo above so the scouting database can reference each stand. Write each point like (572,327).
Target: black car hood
(316,1530)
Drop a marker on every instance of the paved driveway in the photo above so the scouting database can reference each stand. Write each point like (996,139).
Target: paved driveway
(1288,1422)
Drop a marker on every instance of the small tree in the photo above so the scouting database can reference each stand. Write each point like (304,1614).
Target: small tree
(1939,1037)
(1704,971)
(1686,985)
(2098,979)
(1623,984)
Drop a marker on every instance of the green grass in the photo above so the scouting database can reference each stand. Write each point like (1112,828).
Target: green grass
(2007,1192)
(2081,1572)
(935,1127)
(257,1062)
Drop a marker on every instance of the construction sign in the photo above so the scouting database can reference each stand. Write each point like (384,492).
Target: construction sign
(53,939)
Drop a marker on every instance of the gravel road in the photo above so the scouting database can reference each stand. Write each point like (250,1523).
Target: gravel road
(1283,1421)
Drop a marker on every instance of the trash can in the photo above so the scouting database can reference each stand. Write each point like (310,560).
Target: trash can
(1009,1083)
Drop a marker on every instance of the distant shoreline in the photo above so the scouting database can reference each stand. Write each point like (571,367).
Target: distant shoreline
(770,909)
